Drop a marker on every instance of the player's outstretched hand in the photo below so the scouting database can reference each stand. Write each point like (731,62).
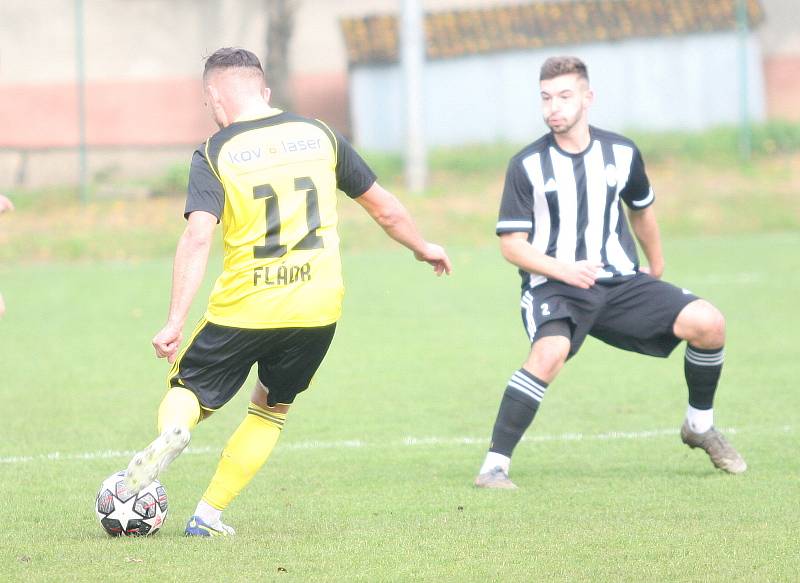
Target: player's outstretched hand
(581,274)
(167,341)
(436,256)
(5,204)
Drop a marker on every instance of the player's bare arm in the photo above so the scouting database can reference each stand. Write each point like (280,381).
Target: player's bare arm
(191,258)
(645,227)
(516,250)
(395,219)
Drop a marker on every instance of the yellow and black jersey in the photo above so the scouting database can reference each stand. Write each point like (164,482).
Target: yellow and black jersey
(272,183)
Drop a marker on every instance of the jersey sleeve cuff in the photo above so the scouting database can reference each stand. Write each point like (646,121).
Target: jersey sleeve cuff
(359,190)
(643,203)
(189,211)
(513,227)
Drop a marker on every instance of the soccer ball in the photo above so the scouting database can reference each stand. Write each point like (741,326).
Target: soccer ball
(122,513)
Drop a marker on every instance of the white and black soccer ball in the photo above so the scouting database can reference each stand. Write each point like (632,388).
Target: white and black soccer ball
(122,513)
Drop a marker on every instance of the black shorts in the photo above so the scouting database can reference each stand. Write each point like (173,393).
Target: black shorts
(215,364)
(634,313)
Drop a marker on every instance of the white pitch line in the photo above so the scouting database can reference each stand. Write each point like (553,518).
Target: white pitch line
(610,435)
(357,443)
(736,278)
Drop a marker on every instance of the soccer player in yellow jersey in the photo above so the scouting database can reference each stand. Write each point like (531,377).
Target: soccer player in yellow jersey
(270,177)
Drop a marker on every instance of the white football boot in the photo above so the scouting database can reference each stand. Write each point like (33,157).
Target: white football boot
(496,478)
(154,459)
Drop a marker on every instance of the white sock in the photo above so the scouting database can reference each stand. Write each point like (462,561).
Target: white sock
(699,420)
(208,513)
(493,460)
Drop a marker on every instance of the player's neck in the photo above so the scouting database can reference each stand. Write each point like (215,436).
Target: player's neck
(252,110)
(576,140)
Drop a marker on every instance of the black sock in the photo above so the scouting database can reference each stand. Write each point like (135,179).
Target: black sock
(517,408)
(702,368)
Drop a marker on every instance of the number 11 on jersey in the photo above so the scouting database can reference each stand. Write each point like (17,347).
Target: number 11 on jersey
(272,246)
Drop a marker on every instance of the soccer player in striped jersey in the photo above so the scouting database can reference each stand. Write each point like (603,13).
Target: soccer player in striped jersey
(562,224)
(270,177)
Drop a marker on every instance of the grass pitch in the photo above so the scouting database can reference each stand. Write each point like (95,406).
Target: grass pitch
(371,480)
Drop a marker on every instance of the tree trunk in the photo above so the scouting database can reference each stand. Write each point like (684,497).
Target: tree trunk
(280,25)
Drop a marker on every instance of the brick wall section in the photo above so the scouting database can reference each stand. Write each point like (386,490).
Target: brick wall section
(38,116)
(141,113)
(782,79)
(117,113)
(323,96)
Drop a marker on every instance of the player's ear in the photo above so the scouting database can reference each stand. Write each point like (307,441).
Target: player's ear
(265,93)
(588,97)
(218,112)
(213,94)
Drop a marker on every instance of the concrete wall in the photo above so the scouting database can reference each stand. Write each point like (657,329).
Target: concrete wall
(142,64)
(780,39)
(688,83)
(143,61)
(780,32)
(124,39)
(163,38)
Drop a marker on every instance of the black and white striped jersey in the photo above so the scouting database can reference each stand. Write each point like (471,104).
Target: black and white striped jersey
(571,204)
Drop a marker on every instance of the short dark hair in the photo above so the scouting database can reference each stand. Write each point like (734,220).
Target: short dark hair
(557,66)
(229,57)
